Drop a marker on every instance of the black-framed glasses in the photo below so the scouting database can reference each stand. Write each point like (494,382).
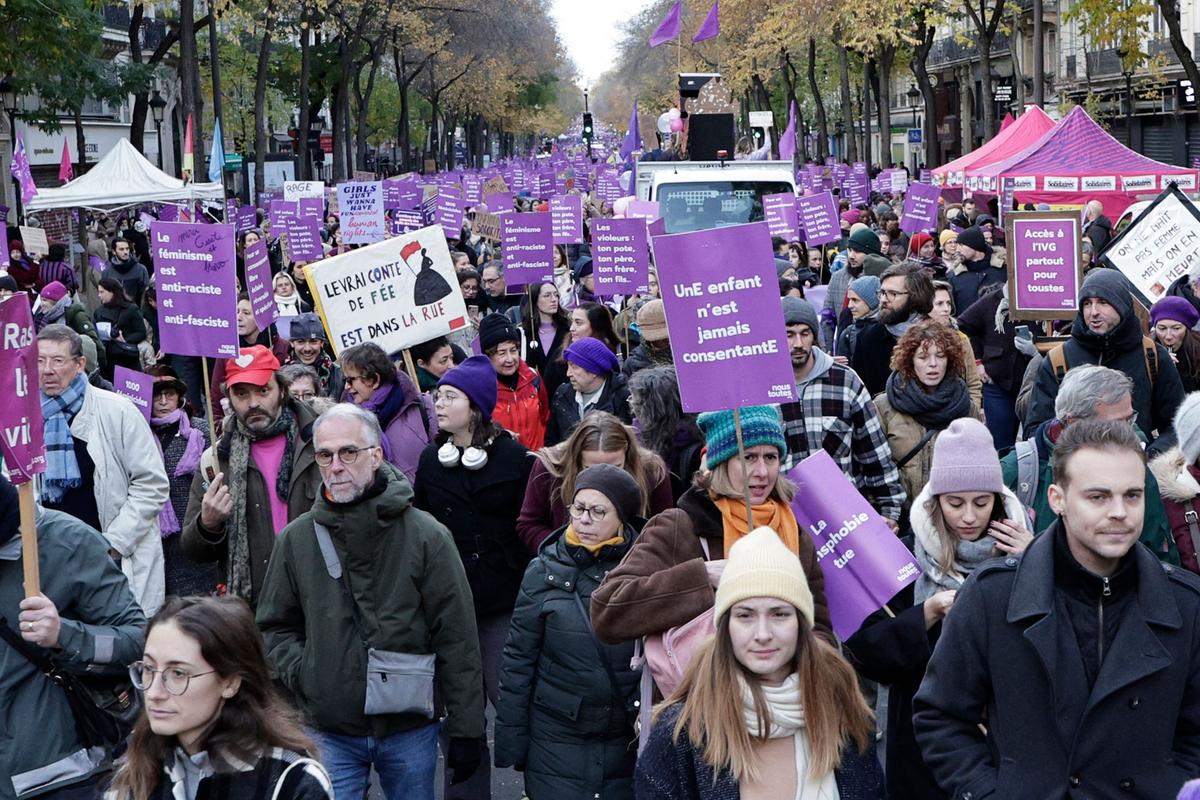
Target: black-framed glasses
(597,513)
(174,680)
(346,455)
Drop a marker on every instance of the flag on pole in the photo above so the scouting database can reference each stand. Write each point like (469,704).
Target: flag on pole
(668,29)
(189,159)
(65,170)
(711,26)
(787,142)
(20,170)
(633,138)
(216,156)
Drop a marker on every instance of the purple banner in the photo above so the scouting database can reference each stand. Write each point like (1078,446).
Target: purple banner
(862,561)
(304,239)
(258,284)
(779,210)
(566,218)
(169,213)
(620,260)
(472,190)
(406,221)
(721,295)
(920,210)
(360,204)
(137,386)
(608,187)
(280,211)
(21,412)
(312,208)
(197,289)
(528,248)
(1046,264)
(819,218)
(247,218)
(499,202)
(449,214)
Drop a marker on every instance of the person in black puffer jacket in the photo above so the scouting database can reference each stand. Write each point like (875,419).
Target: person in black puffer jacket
(981,267)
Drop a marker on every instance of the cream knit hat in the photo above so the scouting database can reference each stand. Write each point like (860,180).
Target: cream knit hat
(761,565)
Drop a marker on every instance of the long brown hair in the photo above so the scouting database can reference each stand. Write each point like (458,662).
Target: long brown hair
(602,431)
(254,719)
(948,541)
(835,712)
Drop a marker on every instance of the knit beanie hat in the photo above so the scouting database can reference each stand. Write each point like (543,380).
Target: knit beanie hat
(782,265)
(851,216)
(616,484)
(864,241)
(761,565)
(1109,285)
(760,425)
(918,241)
(798,311)
(867,288)
(476,377)
(592,355)
(972,237)
(858,226)
(965,460)
(8,282)
(55,291)
(652,321)
(946,237)
(1187,427)
(1176,309)
(496,328)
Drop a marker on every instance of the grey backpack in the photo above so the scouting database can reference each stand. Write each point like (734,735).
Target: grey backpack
(1027,471)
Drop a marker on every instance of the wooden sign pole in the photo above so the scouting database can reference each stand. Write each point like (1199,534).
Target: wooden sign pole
(29,543)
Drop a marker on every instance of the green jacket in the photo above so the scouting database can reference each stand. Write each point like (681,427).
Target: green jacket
(1156,534)
(412,595)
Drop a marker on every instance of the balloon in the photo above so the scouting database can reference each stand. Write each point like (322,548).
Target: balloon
(676,125)
(620,206)
(664,123)
(673,113)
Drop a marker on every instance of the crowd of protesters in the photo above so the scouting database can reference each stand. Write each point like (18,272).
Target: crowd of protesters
(367,551)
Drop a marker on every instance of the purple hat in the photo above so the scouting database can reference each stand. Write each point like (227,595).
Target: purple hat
(476,377)
(965,460)
(592,355)
(54,291)
(1177,309)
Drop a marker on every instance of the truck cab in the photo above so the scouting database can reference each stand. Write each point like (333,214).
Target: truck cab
(700,195)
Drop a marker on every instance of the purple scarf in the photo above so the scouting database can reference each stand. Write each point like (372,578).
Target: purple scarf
(168,522)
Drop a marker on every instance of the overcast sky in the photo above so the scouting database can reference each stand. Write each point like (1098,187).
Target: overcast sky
(590,30)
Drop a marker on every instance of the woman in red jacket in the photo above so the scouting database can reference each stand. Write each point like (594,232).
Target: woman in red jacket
(522,405)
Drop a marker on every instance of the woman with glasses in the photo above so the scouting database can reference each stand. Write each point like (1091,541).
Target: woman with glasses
(567,702)
(472,479)
(213,724)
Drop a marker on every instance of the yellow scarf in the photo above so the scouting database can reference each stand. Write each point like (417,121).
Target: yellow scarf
(573,539)
(773,514)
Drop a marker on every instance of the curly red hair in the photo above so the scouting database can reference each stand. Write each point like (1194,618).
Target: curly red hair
(934,334)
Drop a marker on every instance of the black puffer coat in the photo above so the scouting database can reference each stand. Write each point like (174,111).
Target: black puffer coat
(564,409)
(560,718)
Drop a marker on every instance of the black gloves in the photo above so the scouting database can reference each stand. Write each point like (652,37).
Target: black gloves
(462,759)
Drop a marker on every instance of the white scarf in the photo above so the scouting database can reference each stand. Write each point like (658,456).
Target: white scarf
(288,306)
(787,719)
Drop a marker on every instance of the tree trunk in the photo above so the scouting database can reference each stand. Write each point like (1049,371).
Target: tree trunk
(80,143)
(364,103)
(921,73)
(868,75)
(137,117)
(762,99)
(886,58)
(260,98)
(822,120)
(1170,12)
(336,111)
(964,110)
(451,125)
(985,87)
(402,132)
(191,98)
(847,105)
(305,122)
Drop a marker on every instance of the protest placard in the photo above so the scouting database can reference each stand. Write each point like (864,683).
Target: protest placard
(495,185)
(362,176)
(721,296)
(862,561)
(1160,245)
(137,386)
(448,212)
(566,218)
(21,411)
(487,225)
(1045,268)
(498,202)
(396,293)
(620,259)
(819,218)
(920,211)
(303,236)
(247,218)
(294,190)
(35,240)
(644,209)
(406,222)
(779,211)
(258,284)
(527,248)
(361,207)
(472,190)
(196,274)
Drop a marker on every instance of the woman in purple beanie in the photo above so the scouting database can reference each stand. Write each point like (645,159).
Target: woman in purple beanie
(1173,321)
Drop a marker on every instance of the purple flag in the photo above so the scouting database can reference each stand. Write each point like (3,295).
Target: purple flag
(862,561)
(137,386)
(21,413)
(258,284)
(196,274)
(620,257)
(668,29)
(20,171)
(787,140)
(633,137)
(721,296)
(920,208)
(711,26)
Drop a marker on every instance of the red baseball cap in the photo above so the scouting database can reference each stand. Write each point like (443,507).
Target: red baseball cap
(255,366)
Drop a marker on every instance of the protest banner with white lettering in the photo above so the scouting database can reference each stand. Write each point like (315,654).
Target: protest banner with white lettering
(779,211)
(527,248)
(566,218)
(294,190)
(396,293)
(21,412)
(137,386)
(862,561)
(258,284)
(360,205)
(620,259)
(721,296)
(1045,268)
(920,211)
(303,236)
(819,218)
(1160,245)
(449,214)
(196,273)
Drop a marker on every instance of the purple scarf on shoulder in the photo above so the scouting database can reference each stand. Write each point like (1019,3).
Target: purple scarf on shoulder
(168,522)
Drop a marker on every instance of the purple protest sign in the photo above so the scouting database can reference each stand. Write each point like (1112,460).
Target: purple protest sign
(360,204)
(498,202)
(545,184)
(21,412)
(247,218)
(779,210)
(608,187)
(721,296)
(448,212)
(927,176)
(231,210)
(472,189)
(862,561)
(197,289)
(920,208)
(566,218)
(258,284)
(312,208)
(527,245)
(137,386)
(406,221)
(819,218)
(620,259)
(1045,263)
(280,211)
(644,209)
(303,237)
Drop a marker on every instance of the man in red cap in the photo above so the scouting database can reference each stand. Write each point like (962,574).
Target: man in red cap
(260,476)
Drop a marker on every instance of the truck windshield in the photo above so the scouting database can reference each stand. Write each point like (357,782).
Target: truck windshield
(714,204)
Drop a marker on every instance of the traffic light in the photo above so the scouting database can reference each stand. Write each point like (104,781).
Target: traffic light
(587,130)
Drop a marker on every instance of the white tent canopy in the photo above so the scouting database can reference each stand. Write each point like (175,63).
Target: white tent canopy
(122,178)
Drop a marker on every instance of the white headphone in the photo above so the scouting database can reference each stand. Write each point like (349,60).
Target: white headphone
(472,458)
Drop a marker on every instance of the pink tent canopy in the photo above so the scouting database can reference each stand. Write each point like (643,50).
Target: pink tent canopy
(1008,120)
(1075,162)
(1024,131)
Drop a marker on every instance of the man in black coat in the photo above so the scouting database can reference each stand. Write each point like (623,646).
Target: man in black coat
(1098,228)
(1108,332)
(1070,671)
(981,267)
(905,298)
(594,384)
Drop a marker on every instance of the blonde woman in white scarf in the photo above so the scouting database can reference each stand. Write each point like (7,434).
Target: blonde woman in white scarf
(766,710)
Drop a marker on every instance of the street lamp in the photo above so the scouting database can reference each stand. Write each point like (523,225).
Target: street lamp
(914,93)
(317,124)
(8,96)
(158,107)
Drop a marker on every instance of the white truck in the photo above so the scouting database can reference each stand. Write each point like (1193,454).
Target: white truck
(699,195)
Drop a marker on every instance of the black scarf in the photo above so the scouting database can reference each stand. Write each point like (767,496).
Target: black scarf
(933,410)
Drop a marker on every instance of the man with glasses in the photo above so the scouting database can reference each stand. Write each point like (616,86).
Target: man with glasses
(905,298)
(259,476)
(492,280)
(85,618)
(101,463)
(367,578)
